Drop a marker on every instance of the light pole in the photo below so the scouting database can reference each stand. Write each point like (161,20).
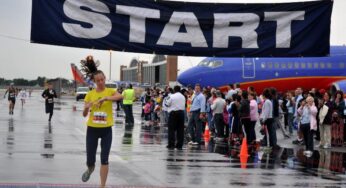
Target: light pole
(110,64)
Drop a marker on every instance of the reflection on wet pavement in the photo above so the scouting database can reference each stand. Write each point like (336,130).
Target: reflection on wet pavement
(10,136)
(48,142)
(324,163)
(55,153)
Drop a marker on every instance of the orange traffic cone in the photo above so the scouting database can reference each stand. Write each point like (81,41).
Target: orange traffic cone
(243,149)
(206,133)
(243,161)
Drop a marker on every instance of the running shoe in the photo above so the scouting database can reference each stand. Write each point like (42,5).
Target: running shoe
(308,153)
(87,173)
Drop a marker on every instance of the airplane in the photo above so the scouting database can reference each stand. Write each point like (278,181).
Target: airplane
(284,74)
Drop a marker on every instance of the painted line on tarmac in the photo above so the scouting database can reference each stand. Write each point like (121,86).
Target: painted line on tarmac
(49,185)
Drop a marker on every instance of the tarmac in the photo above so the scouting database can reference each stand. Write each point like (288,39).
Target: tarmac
(36,153)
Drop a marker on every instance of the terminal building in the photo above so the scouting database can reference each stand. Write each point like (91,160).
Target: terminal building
(162,70)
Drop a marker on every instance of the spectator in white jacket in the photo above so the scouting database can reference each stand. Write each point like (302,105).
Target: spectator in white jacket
(308,124)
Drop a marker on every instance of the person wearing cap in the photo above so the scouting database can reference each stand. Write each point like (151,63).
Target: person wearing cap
(218,106)
(49,94)
(11,98)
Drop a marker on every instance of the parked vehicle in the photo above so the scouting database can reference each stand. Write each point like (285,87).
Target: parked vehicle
(81,92)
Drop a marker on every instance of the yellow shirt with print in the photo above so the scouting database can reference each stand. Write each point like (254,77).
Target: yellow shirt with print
(103,116)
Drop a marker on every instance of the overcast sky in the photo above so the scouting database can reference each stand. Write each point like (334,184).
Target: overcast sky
(22,59)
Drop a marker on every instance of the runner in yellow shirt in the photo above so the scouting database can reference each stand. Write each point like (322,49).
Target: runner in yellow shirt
(98,104)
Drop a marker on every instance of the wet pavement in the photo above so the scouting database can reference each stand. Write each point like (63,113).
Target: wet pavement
(36,153)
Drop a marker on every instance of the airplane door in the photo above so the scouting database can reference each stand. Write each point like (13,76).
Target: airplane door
(248,67)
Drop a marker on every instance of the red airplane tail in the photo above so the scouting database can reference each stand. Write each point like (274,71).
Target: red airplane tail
(77,75)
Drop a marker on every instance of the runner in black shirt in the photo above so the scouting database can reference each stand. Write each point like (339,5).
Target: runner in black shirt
(49,94)
(11,98)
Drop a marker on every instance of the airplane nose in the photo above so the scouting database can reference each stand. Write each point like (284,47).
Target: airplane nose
(184,78)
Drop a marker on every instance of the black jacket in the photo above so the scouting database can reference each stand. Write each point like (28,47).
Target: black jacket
(50,94)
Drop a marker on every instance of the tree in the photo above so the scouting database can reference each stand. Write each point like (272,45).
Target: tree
(2,81)
(5,82)
(20,82)
(41,81)
(32,82)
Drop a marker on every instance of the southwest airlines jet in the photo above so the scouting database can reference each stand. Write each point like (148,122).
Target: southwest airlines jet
(282,73)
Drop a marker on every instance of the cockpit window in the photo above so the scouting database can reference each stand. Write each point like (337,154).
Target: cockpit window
(211,63)
(203,63)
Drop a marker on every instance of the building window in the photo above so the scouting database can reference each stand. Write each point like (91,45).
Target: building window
(329,65)
(316,65)
(283,65)
(303,65)
(296,65)
(341,65)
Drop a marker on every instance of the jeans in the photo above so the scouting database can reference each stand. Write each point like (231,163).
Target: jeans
(195,126)
(166,116)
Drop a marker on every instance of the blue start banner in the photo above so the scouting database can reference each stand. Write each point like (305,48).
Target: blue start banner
(180,28)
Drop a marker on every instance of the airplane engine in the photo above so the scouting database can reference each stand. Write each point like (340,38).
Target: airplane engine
(341,85)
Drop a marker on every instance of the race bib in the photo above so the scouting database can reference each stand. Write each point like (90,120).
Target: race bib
(12,95)
(345,112)
(50,100)
(100,118)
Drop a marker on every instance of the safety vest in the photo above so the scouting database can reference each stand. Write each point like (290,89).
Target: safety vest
(129,96)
